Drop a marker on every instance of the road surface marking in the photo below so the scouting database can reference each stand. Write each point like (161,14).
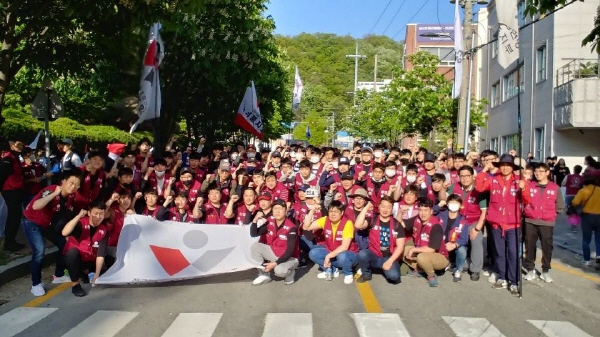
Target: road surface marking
(103,323)
(559,329)
(20,319)
(36,302)
(379,325)
(368,297)
(472,327)
(575,272)
(193,325)
(288,325)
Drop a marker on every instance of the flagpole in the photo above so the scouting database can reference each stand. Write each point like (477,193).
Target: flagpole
(156,129)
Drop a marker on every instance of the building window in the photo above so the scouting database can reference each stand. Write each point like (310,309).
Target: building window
(522,16)
(522,78)
(494,144)
(509,142)
(495,45)
(539,143)
(495,98)
(445,54)
(540,60)
(510,88)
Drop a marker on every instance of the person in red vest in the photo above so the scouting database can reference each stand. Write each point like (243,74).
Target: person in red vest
(241,213)
(119,205)
(429,253)
(277,189)
(213,212)
(544,204)
(280,250)
(341,191)
(150,207)
(386,243)
(128,161)
(33,175)
(93,182)
(338,251)
(504,215)
(181,211)
(157,178)
(186,184)
(362,169)
(572,184)
(144,159)
(47,210)
(223,179)
(12,187)
(87,237)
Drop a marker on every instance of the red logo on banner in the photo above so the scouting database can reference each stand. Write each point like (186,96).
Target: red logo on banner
(172,260)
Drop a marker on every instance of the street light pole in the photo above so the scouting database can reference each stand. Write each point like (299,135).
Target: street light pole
(468,108)
(461,126)
(356,56)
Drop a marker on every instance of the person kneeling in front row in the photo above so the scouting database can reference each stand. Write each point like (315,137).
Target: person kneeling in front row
(281,248)
(386,242)
(429,253)
(86,245)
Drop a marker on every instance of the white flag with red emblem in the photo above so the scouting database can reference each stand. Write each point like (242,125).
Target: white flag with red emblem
(248,115)
(149,97)
(151,251)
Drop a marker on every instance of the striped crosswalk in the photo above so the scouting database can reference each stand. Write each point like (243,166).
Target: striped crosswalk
(108,323)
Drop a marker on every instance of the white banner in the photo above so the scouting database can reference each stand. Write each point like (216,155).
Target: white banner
(508,32)
(298,88)
(248,115)
(152,251)
(459,53)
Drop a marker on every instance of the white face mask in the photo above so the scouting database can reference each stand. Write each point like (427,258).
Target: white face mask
(377,154)
(411,179)
(293,155)
(390,173)
(335,165)
(234,156)
(159,173)
(314,159)
(453,207)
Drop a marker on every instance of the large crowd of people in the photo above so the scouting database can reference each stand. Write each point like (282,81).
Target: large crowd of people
(353,212)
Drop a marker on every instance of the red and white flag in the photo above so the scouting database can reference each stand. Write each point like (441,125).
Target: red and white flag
(248,115)
(149,96)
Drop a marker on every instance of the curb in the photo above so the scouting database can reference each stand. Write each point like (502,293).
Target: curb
(20,267)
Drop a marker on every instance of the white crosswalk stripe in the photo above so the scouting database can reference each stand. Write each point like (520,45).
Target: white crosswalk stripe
(102,323)
(289,325)
(107,323)
(472,327)
(559,329)
(193,325)
(21,318)
(380,325)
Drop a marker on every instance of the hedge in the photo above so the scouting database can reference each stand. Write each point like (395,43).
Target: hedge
(20,125)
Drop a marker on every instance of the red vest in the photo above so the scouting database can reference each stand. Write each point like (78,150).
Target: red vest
(422,232)
(350,215)
(276,237)
(504,208)
(573,184)
(346,200)
(153,213)
(334,240)
(174,215)
(137,175)
(298,182)
(213,216)
(85,244)
(15,180)
(542,205)
(44,216)
(88,193)
(279,192)
(153,181)
(139,160)
(225,190)
(470,203)
(383,190)
(35,170)
(243,215)
(361,167)
(375,236)
(114,229)
(192,193)
(454,177)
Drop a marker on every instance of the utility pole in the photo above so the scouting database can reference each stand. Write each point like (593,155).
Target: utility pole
(375,75)
(333,128)
(356,56)
(461,126)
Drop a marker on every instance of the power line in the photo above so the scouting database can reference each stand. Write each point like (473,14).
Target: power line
(398,11)
(437,13)
(404,26)
(380,16)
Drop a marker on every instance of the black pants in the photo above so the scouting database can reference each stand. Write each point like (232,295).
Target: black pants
(14,203)
(545,234)
(75,266)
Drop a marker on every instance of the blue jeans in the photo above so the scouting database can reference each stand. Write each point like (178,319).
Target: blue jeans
(344,260)
(306,245)
(367,260)
(35,236)
(460,256)
(590,224)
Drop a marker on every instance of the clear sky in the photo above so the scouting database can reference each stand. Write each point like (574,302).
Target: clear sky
(356,17)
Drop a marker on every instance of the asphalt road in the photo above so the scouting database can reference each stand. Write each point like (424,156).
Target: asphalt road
(228,305)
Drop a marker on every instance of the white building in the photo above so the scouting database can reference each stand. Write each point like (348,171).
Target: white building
(370,86)
(560,98)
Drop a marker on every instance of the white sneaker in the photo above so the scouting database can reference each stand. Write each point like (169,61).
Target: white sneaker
(530,276)
(485,273)
(359,272)
(493,278)
(546,277)
(348,279)
(261,279)
(336,273)
(62,279)
(38,290)
(322,275)
(586,263)
(290,278)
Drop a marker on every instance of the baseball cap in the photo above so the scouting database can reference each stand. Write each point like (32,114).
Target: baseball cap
(429,157)
(224,165)
(67,141)
(275,154)
(186,170)
(347,176)
(312,193)
(366,149)
(344,160)
(304,188)
(265,195)
(279,202)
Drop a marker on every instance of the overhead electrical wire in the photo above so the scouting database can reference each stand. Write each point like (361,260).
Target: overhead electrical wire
(409,20)
(380,16)
(392,20)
